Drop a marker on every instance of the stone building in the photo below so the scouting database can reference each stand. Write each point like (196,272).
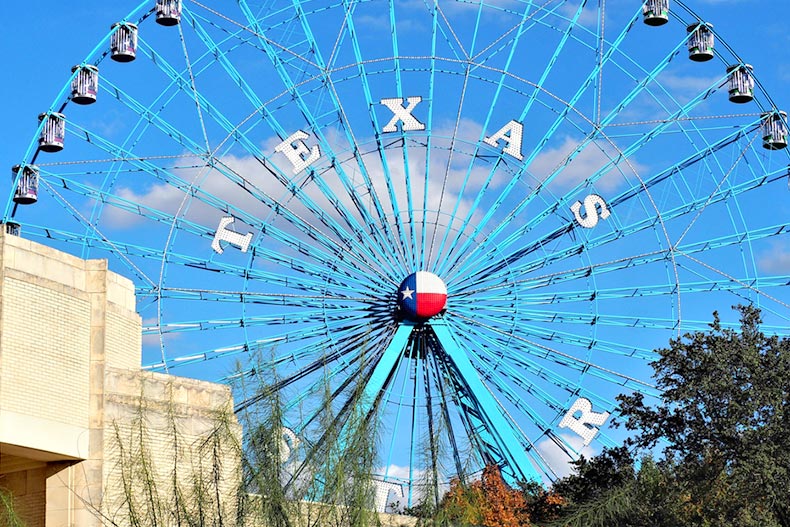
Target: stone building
(86,436)
(82,428)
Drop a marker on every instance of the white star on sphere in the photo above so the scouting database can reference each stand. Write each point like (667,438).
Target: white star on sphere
(406,293)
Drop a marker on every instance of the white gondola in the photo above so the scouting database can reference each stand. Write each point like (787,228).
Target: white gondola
(741,83)
(168,12)
(774,128)
(123,43)
(26,192)
(85,84)
(700,42)
(655,12)
(53,132)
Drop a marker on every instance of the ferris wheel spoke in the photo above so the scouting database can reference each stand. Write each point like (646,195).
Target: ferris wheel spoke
(645,259)
(640,224)
(241,139)
(567,109)
(580,341)
(151,117)
(348,358)
(480,445)
(291,53)
(552,334)
(545,427)
(371,372)
(306,267)
(499,369)
(605,319)
(319,374)
(423,376)
(753,285)
(215,49)
(594,135)
(442,256)
(517,366)
(302,317)
(252,297)
(447,400)
(449,35)
(443,192)
(644,185)
(336,258)
(298,191)
(435,29)
(474,208)
(412,253)
(509,39)
(565,359)
(286,339)
(639,291)
(405,247)
(403,375)
(91,237)
(376,237)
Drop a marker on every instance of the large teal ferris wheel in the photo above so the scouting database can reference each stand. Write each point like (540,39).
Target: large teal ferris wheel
(487,215)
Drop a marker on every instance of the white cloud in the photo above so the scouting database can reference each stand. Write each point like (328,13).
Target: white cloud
(557,458)
(687,86)
(167,198)
(593,157)
(451,188)
(156,341)
(776,260)
(588,17)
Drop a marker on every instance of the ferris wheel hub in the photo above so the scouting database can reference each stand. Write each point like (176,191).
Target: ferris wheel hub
(422,295)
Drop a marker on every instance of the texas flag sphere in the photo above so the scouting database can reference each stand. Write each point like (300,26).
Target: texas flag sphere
(422,295)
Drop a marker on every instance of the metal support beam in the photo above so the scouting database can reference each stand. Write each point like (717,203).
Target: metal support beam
(489,409)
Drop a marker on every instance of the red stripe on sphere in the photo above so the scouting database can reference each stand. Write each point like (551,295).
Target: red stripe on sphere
(430,304)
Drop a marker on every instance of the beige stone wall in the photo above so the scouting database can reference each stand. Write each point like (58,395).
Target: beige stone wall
(76,411)
(56,313)
(40,314)
(171,438)
(29,490)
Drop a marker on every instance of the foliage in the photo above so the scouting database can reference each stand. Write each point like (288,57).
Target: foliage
(489,502)
(166,479)
(725,419)
(321,479)
(723,423)
(592,478)
(541,505)
(187,489)
(262,459)
(607,490)
(8,518)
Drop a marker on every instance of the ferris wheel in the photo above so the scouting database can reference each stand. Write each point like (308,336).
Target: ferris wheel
(483,216)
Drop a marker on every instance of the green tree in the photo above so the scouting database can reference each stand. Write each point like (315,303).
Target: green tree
(594,477)
(608,490)
(723,423)
(724,420)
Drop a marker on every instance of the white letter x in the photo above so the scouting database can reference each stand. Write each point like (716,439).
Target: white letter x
(410,123)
